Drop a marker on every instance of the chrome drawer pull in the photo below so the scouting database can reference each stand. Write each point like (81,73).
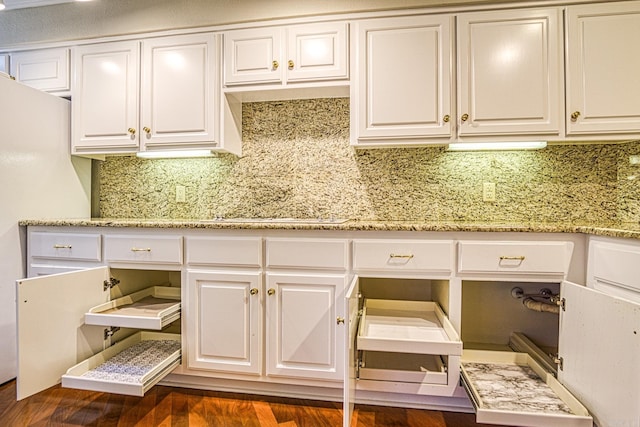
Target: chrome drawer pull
(513,258)
(134,249)
(409,256)
(61,246)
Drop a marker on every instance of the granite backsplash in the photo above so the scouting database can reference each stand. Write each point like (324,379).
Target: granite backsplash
(297,162)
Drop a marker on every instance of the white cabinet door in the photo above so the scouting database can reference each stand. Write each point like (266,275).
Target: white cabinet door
(510,71)
(52,335)
(44,69)
(351,308)
(4,63)
(603,87)
(178,93)
(403,90)
(105,98)
(600,347)
(317,52)
(305,325)
(253,56)
(224,325)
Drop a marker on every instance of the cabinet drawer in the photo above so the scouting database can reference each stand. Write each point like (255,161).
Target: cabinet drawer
(144,249)
(613,269)
(519,392)
(403,255)
(85,247)
(130,367)
(307,253)
(406,368)
(224,251)
(514,257)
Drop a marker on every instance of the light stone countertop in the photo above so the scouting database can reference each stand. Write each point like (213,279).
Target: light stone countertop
(623,230)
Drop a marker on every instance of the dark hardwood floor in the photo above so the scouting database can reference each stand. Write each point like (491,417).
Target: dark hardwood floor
(177,407)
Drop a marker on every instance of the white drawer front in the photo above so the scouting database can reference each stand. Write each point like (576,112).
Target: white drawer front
(615,265)
(307,253)
(85,247)
(224,251)
(403,255)
(145,249)
(514,257)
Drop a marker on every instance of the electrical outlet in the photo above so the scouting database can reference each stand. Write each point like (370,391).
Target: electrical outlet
(181,193)
(634,160)
(489,191)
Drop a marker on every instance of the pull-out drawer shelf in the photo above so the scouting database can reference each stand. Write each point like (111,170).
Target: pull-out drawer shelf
(407,327)
(405,367)
(151,308)
(511,389)
(130,367)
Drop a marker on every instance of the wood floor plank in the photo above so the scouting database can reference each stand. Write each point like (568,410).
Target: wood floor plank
(176,407)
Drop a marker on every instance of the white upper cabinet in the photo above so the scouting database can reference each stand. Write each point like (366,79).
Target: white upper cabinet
(402,93)
(162,93)
(603,88)
(105,109)
(510,73)
(44,69)
(277,55)
(4,63)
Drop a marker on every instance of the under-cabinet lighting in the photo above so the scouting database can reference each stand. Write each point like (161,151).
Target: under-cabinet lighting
(490,146)
(2,4)
(174,154)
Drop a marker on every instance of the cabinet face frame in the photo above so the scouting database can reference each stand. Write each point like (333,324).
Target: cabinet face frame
(527,101)
(602,70)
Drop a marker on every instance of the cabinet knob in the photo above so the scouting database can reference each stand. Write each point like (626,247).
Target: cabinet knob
(575,115)
(290,64)
(340,320)
(464,117)
(271,291)
(146,129)
(275,65)
(446,118)
(253,291)
(132,131)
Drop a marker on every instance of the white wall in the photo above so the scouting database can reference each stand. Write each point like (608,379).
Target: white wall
(98,18)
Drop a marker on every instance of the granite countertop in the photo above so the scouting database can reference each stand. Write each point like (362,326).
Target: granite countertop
(625,230)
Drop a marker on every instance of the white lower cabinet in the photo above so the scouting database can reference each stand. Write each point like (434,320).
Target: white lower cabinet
(224,326)
(61,332)
(305,325)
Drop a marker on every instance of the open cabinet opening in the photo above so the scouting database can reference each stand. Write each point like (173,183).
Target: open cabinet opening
(87,319)
(491,315)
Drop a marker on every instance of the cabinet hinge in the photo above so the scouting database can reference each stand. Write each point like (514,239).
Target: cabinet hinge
(559,361)
(108,284)
(108,332)
(360,312)
(562,303)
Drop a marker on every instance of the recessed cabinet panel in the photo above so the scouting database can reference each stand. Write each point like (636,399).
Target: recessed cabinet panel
(143,249)
(403,256)
(602,68)
(224,252)
(551,258)
(403,88)
(45,69)
(224,327)
(4,63)
(253,56)
(178,95)
(510,72)
(317,52)
(105,97)
(303,328)
(323,254)
(69,246)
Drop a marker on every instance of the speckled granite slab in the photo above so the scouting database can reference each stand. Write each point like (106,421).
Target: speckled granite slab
(511,387)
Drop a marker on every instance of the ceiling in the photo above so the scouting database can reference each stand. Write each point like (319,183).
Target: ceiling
(20,4)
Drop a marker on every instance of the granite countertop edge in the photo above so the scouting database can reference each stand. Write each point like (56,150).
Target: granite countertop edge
(624,230)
